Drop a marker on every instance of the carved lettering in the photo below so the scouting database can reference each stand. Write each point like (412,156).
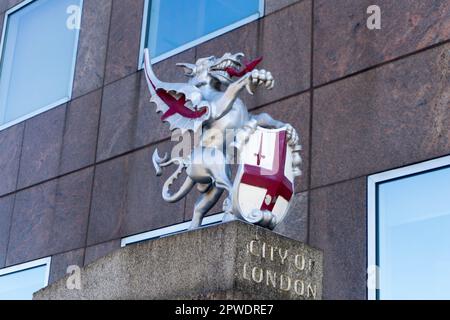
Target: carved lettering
(299,262)
(297,268)
(285,283)
(264,250)
(252,248)
(282,282)
(257,274)
(312,291)
(299,287)
(283,255)
(271,278)
(311,265)
(273,253)
(272,249)
(245,276)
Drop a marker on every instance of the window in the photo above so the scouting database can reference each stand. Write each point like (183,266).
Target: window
(20,282)
(159,233)
(409,231)
(38,52)
(171,26)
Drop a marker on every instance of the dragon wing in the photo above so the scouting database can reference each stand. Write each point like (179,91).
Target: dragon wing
(181,104)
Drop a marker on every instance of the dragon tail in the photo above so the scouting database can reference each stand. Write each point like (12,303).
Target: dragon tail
(159,163)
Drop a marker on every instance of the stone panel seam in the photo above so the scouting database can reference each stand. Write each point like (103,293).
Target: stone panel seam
(140,149)
(14,193)
(98,134)
(76,58)
(300,92)
(311,116)
(68,105)
(127,152)
(367,174)
(34,259)
(89,166)
(283,8)
(66,251)
(95,244)
(382,64)
(105,83)
(9,229)
(316,87)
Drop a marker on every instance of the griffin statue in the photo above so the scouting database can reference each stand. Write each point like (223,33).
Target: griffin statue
(208,105)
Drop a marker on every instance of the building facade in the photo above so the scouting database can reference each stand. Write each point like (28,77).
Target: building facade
(77,178)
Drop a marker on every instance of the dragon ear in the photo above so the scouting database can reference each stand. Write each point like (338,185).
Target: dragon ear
(189,68)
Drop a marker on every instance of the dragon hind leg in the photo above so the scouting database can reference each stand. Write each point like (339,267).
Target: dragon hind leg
(223,181)
(204,204)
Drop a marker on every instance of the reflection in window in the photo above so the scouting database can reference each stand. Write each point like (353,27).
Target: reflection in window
(20,282)
(172,24)
(413,238)
(38,57)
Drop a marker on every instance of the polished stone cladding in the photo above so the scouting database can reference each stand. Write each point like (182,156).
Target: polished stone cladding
(76,179)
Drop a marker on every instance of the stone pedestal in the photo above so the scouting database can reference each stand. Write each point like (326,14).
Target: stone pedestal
(233,260)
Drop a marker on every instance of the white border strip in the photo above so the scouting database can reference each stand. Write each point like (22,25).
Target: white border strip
(371,239)
(262,8)
(193,43)
(143,34)
(29,265)
(34,113)
(72,76)
(158,233)
(372,182)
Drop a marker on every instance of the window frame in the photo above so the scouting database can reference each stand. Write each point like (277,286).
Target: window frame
(372,215)
(170,230)
(193,43)
(30,265)
(72,78)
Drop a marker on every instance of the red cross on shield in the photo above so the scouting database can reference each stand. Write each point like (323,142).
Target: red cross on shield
(265,178)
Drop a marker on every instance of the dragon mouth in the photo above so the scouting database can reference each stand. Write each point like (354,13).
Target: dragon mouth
(221,69)
(229,68)
(247,67)
(227,63)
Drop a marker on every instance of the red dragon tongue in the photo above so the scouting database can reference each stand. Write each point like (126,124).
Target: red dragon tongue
(249,67)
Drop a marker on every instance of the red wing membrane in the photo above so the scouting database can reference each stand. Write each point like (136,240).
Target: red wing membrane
(178,106)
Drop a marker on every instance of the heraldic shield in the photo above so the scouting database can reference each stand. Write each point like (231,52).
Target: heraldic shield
(264,183)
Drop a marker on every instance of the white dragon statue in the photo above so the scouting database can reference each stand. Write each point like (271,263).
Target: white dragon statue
(208,105)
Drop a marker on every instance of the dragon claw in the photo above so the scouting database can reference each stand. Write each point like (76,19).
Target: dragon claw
(260,78)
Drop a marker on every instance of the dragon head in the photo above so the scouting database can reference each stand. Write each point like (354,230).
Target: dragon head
(218,71)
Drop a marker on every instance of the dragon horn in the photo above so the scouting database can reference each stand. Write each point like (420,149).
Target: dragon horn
(189,68)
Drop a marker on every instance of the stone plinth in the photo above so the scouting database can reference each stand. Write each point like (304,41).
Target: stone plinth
(233,260)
